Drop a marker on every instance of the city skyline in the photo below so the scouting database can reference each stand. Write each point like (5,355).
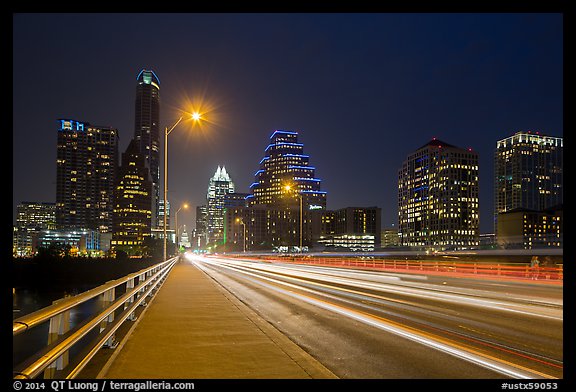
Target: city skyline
(350,84)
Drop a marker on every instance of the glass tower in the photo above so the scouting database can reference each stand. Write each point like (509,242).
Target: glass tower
(438,197)
(86,165)
(219,187)
(527,173)
(285,164)
(132,210)
(147,133)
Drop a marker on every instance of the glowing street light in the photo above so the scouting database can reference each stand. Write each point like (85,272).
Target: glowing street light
(196,117)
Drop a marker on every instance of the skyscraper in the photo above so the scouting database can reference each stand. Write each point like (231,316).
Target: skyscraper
(86,165)
(219,186)
(284,197)
(527,173)
(147,133)
(438,197)
(285,164)
(132,209)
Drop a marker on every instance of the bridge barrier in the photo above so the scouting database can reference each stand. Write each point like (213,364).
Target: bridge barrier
(53,361)
(519,271)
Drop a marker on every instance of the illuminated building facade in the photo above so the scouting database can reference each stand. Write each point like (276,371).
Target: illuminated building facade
(529,229)
(285,164)
(219,187)
(352,228)
(31,217)
(86,166)
(263,228)
(285,187)
(72,242)
(199,240)
(527,173)
(147,132)
(438,197)
(132,207)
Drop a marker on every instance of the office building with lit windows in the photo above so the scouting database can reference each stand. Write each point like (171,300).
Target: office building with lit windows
(147,133)
(285,165)
(438,197)
(521,228)
(132,207)
(31,217)
(86,166)
(528,173)
(351,228)
(219,187)
(283,199)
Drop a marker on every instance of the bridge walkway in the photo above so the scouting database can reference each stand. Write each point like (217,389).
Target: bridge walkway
(196,329)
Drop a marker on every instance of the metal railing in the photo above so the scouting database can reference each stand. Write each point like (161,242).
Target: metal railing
(502,270)
(53,360)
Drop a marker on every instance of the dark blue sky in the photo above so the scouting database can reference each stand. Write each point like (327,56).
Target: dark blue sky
(363,90)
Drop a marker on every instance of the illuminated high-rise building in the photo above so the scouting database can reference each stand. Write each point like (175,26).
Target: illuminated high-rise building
(527,173)
(147,132)
(86,165)
(219,187)
(132,209)
(31,217)
(438,197)
(285,197)
(285,164)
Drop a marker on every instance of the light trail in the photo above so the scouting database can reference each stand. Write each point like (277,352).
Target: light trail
(307,284)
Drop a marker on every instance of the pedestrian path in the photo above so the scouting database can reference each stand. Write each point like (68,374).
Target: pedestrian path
(195,329)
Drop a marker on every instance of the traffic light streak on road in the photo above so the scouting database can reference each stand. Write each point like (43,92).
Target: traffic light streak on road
(358,295)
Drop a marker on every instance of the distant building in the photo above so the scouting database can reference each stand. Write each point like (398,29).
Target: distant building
(31,217)
(86,164)
(529,229)
(147,132)
(184,238)
(389,237)
(132,206)
(219,187)
(528,173)
(488,241)
(235,199)
(267,228)
(285,165)
(353,228)
(161,215)
(200,237)
(438,197)
(285,195)
(75,242)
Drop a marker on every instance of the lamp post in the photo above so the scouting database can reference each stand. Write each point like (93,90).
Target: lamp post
(289,188)
(239,220)
(185,206)
(196,117)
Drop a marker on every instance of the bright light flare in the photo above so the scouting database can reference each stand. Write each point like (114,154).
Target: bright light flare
(196,116)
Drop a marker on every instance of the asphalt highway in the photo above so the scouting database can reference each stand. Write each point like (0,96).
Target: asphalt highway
(373,324)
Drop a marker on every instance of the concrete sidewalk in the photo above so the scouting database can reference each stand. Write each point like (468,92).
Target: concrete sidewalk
(195,329)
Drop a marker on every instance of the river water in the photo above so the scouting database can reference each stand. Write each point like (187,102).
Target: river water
(28,300)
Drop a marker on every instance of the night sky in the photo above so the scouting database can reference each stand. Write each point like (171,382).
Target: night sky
(362,90)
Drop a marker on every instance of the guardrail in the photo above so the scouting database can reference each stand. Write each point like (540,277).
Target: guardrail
(53,361)
(431,267)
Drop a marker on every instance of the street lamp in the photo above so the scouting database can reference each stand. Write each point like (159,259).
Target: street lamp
(239,220)
(185,206)
(289,188)
(195,117)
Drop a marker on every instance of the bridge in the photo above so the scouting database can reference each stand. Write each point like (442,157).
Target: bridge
(264,316)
